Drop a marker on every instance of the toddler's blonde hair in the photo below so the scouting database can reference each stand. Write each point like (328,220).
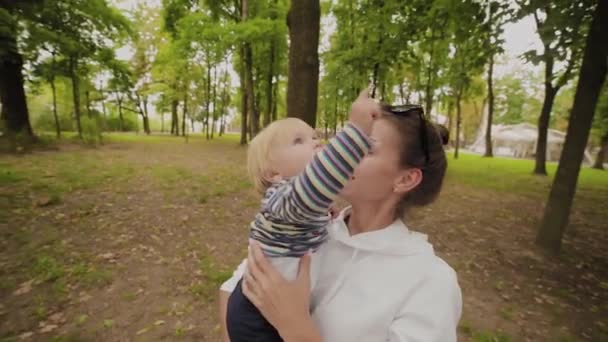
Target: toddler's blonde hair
(260,152)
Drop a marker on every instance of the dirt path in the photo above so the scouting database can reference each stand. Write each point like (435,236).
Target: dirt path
(130,242)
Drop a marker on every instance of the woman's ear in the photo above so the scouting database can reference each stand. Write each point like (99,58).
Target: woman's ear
(407,180)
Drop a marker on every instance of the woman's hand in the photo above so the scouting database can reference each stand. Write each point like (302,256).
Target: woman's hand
(284,304)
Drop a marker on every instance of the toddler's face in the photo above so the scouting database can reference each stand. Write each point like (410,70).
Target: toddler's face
(290,157)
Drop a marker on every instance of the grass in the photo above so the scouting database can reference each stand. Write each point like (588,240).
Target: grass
(213,277)
(515,175)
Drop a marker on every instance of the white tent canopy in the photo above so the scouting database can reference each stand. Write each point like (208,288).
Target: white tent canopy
(519,141)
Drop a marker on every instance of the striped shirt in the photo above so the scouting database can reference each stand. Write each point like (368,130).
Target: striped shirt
(294,212)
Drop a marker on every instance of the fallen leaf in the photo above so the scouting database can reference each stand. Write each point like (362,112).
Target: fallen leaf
(159,322)
(26,335)
(142,331)
(43,201)
(48,328)
(24,288)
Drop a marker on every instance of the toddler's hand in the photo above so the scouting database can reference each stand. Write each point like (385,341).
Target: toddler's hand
(364,111)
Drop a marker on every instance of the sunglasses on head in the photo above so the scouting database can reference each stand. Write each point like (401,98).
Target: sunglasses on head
(408,110)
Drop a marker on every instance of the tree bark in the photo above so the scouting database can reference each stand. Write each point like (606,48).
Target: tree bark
(162,122)
(184,113)
(275,91)
(270,76)
(458,120)
(254,119)
(489,152)
(174,117)
(591,77)
(87,99)
(543,127)
(428,98)
(244,100)
(303,21)
(601,154)
(120,117)
(14,113)
(76,93)
(103,102)
(207,98)
(54,92)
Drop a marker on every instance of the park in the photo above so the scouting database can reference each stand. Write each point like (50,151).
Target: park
(125,200)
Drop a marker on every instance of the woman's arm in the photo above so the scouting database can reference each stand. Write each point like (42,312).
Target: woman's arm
(284,304)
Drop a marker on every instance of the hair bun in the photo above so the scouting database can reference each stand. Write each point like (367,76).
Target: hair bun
(444,133)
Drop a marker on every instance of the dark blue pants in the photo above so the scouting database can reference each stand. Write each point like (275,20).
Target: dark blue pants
(244,321)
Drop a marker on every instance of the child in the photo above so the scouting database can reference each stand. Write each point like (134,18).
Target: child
(299,180)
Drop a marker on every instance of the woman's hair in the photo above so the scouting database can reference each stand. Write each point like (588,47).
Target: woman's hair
(412,154)
(260,152)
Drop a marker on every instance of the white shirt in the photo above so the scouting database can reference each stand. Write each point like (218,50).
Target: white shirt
(383,285)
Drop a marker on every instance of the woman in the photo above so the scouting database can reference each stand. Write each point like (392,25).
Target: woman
(379,280)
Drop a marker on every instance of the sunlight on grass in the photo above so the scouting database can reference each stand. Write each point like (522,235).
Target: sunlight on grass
(515,175)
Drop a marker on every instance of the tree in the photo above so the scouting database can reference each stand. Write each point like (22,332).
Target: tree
(14,115)
(591,77)
(498,14)
(470,54)
(601,126)
(48,70)
(303,21)
(561,27)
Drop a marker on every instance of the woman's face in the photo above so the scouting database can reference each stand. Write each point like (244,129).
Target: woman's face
(378,174)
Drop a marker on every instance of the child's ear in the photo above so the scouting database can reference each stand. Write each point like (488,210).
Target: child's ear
(272,177)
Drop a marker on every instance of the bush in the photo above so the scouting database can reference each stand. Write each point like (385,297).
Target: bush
(130,124)
(91,130)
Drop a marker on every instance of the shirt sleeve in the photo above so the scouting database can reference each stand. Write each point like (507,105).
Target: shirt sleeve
(311,193)
(230,284)
(432,312)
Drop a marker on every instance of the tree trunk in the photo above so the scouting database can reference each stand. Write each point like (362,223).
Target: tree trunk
(14,113)
(162,122)
(103,102)
(375,79)
(174,117)
(76,94)
(543,127)
(601,154)
(450,119)
(254,120)
(489,152)
(458,120)
(120,117)
(54,92)
(303,21)
(275,91)
(184,113)
(545,116)
(207,98)
(214,116)
(428,98)
(591,77)
(88,102)
(244,100)
(269,79)
(145,115)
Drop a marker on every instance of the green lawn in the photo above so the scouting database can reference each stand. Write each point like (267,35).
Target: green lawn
(515,175)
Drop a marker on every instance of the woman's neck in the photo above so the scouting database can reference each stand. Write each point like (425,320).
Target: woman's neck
(368,217)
